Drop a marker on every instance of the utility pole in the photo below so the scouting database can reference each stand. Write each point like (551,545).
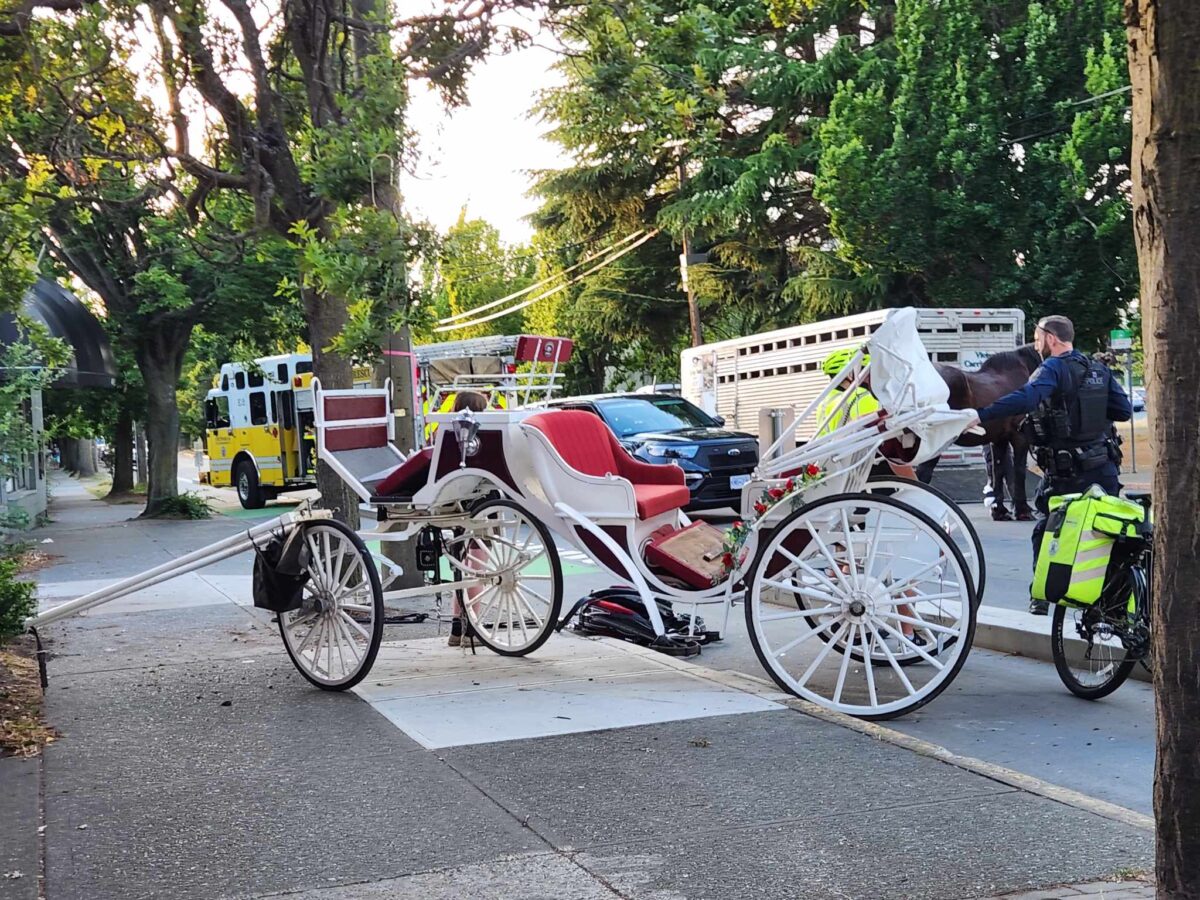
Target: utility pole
(685,259)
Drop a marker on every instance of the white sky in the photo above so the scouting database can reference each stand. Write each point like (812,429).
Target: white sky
(480,155)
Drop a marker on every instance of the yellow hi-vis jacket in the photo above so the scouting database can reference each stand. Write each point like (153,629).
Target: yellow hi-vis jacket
(862,403)
(448,406)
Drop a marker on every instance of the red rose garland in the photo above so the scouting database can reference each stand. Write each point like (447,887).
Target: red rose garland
(734,555)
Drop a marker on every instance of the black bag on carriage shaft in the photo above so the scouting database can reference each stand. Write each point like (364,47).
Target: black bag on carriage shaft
(280,573)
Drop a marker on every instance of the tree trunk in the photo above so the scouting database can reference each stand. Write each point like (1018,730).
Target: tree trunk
(160,360)
(68,453)
(84,456)
(326,317)
(139,443)
(122,474)
(1163,36)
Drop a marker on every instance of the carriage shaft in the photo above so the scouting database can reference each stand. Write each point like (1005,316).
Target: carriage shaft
(197,559)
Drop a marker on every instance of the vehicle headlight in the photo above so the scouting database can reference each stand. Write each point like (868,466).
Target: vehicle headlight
(672,451)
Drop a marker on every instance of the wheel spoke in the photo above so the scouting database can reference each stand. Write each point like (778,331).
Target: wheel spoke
(807,569)
(800,614)
(841,680)
(920,651)
(869,649)
(914,578)
(832,560)
(896,667)
(922,624)
(796,642)
(350,623)
(873,545)
(851,562)
(794,588)
(824,652)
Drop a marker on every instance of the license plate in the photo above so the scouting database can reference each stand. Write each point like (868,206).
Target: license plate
(737,482)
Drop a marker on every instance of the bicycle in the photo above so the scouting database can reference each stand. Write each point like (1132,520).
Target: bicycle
(1111,636)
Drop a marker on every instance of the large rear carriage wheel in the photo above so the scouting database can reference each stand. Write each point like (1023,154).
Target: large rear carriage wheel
(857,577)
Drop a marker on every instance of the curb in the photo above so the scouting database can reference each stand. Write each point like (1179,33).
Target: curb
(1021,634)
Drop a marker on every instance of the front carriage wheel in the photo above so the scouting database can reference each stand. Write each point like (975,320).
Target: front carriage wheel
(870,577)
(510,554)
(335,634)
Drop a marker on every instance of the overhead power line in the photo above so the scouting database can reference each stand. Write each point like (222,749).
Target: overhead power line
(554,290)
(536,285)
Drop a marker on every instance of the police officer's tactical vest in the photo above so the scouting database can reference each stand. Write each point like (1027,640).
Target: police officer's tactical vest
(1075,416)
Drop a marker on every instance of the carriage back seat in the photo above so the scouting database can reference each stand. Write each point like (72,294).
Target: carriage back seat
(588,446)
(354,435)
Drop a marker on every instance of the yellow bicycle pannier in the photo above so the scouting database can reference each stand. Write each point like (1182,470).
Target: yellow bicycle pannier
(1077,545)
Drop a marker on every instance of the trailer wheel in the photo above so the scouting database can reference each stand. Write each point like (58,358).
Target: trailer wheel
(250,492)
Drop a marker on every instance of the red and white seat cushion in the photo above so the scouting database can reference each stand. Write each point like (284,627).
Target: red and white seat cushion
(588,446)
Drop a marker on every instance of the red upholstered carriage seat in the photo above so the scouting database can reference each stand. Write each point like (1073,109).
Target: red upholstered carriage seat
(354,431)
(408,478)
(588,446)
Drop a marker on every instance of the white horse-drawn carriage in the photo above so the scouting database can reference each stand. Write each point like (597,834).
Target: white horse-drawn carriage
(859,597)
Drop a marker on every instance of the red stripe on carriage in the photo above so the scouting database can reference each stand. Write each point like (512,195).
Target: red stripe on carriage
(356,438)
(339,408)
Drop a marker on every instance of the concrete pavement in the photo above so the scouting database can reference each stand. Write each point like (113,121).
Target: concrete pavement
(195,762)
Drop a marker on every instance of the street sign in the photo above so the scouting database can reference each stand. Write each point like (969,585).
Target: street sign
(1120,339)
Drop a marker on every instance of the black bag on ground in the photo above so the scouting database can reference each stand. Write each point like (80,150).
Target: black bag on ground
(280,573)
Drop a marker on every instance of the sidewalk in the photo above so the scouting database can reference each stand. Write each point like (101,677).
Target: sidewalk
(194,762)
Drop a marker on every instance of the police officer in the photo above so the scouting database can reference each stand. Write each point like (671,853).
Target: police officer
(1071,403)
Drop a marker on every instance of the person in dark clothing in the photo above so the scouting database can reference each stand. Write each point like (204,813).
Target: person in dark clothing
(1071,403)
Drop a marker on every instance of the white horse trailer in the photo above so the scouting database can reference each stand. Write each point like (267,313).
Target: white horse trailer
(738,378)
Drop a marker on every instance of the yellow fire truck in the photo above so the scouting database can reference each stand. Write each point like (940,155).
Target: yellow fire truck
(258,417)
(258,427)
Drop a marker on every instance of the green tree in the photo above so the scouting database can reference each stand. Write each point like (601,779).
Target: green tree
(985,162)
(473,268)
(733,91)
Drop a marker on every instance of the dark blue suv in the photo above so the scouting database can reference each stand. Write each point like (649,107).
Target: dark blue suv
(668,430)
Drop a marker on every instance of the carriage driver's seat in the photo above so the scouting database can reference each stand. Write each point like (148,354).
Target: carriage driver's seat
(589,447)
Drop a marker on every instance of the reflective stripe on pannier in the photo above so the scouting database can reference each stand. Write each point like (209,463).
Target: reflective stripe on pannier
(1077,545)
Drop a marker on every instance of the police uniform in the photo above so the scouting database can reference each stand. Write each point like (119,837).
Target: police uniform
(1071,403)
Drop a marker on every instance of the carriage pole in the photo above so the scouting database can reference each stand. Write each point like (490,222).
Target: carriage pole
(197,559)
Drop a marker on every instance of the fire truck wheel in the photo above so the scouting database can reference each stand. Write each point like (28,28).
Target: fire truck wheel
(251,495)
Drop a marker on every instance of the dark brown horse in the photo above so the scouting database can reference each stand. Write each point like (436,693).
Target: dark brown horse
(1000,374)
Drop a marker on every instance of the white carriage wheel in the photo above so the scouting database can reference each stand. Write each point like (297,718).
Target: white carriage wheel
(516,605)
(854,571)
(335,634)
(942,508)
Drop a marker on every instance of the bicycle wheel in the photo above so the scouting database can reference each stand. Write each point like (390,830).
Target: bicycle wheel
(1090,646)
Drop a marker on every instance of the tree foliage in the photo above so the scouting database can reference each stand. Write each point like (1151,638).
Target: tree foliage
(841,155)
(985,162)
